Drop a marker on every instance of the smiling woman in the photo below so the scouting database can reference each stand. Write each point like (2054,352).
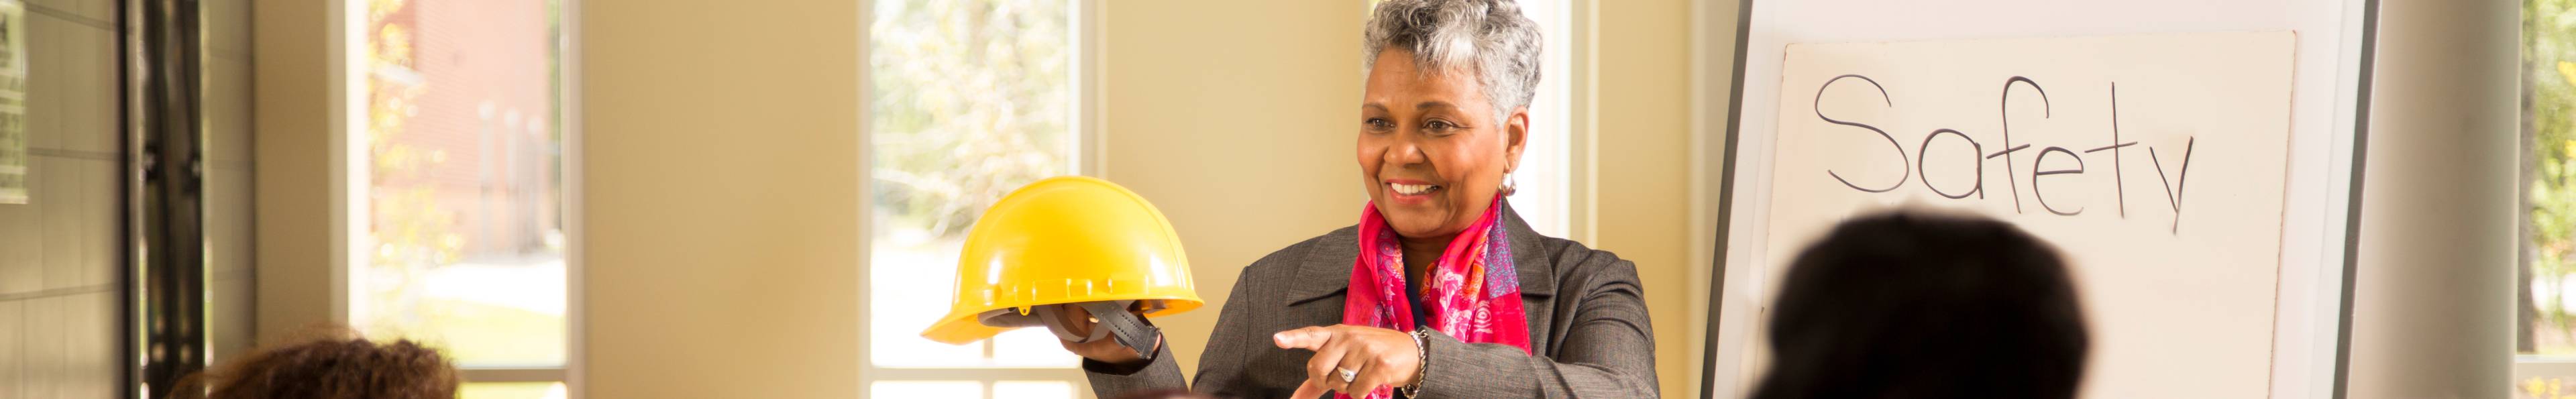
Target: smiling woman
(1441,289)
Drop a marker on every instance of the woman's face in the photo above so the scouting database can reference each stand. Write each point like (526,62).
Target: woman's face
(1430,151)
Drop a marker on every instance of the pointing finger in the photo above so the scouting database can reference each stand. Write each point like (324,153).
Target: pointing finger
(1309,390)
(1309,338)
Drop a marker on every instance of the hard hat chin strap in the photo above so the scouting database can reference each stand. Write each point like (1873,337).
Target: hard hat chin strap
(1053,318)
(1112,320)
(1115,322)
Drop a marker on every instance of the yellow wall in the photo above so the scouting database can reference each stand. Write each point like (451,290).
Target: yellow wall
(1644,157)
(721,199)
(292,154)
(1239,129)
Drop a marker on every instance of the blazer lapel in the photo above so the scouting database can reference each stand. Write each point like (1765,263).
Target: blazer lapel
(1529,256)
(1326,270)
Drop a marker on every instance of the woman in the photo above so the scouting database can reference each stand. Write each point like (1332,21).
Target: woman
(1506,312)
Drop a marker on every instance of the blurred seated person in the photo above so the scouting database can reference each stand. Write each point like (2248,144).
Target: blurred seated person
(1911,304)
(328,362)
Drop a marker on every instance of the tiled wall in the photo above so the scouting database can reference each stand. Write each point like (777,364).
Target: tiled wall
(58,259)
(58,307)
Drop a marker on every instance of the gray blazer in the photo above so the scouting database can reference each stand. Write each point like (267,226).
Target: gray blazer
(1587,323)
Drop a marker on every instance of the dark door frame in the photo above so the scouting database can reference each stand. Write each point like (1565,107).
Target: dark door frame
(162,90)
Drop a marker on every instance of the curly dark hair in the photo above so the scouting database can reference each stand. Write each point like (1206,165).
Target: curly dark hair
(329,362)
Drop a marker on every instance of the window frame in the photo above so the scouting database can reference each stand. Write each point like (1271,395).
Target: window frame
(1576,187)
(1091,140)
(349,156)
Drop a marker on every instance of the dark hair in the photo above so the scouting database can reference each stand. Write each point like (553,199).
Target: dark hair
(327,362)
(1913,305)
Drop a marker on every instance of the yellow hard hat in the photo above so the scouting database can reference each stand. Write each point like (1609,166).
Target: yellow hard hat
(1064,240)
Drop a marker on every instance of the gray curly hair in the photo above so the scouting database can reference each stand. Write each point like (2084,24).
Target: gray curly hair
(1489,38)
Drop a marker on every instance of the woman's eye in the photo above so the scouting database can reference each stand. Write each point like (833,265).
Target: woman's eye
(1439,126)
(1378,124)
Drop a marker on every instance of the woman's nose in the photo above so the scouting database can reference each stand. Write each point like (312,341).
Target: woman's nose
(1405,152)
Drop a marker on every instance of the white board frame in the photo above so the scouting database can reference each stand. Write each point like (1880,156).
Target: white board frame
(2328,101)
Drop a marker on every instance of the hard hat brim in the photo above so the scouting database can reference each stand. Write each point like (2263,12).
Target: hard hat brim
(960,326)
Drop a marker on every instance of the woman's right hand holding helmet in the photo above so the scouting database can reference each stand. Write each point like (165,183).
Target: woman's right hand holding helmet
(1099,350)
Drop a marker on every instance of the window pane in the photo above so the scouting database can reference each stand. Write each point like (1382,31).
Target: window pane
(1033,389)
(927,389)
(461,171)
(2550,252)
(969,99)
(1031,347)
(1544,183)
(2547,344)
(512,390)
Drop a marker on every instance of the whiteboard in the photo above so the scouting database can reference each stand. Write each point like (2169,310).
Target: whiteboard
(2315,160)
(2153,162)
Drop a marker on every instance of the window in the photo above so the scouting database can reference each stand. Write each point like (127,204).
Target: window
(455,216)
(966,100)
(2545,366)
(1546,181)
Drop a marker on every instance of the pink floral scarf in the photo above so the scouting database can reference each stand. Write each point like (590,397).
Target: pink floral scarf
(1474,293)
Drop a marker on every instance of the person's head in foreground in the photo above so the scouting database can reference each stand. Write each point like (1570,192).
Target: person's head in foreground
(1918,305)
(333,363)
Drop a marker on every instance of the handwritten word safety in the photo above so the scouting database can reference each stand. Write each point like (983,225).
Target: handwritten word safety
(2042,163)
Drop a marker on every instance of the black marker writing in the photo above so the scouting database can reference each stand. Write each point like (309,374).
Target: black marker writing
(2042,162)
(1915,164)
(1891,140)
(2121,188)
(2005,108)
(2173,187)
(1926,151)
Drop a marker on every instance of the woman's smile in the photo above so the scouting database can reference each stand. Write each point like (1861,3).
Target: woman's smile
(1407,191)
